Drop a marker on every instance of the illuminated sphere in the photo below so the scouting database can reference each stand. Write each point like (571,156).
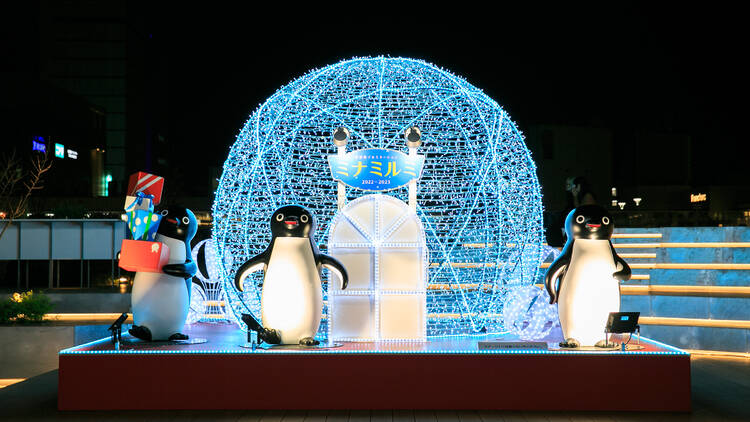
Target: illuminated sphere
(478,198)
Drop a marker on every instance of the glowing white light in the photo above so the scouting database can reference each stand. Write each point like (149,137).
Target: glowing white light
(478,186)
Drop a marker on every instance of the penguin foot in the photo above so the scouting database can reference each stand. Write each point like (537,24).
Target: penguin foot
(270,336)
(140,332)
(308,341)
(570,343)
(606,345)
(178,336)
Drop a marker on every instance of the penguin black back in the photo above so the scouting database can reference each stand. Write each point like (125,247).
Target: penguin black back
(292,221)
(178,223)
(589,222)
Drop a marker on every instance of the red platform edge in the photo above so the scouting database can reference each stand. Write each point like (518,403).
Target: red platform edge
(375,381)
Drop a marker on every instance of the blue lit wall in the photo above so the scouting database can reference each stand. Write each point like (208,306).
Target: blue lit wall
(479,198)
(704,307)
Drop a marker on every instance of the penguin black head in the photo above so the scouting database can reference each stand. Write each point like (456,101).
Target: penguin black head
(589,222)
(292,221)
(178,223)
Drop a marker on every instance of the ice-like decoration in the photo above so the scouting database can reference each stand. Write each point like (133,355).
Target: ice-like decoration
(528,314)
(381,243)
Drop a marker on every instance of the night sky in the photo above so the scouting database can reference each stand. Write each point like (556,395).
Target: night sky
(675,71)
(626,68)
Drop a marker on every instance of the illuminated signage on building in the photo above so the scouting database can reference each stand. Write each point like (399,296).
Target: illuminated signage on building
(72,154)
(698,197)
(38,144)
(59,150)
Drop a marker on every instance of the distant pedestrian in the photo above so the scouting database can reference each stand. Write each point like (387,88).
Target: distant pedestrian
(577,192)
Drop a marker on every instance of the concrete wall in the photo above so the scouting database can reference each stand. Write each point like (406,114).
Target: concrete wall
(82,302)
(27,351)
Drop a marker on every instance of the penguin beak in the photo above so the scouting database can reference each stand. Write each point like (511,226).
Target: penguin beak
(593,226)
(172,220)
(291,221)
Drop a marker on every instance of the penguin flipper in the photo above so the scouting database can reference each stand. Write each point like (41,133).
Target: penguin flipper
(623,274)
(336,267)
(557,271)
(256,263)
(186,270)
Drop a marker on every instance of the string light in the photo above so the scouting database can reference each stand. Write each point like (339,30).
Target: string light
(478,187)
(208,294)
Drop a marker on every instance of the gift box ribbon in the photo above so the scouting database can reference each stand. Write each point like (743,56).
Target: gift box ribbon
(143,224)
(139,197)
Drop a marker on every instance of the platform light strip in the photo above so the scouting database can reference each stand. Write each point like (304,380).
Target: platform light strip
(695,322)
(683,245)
(718,354)
(689,266)
(636,236)
(673,351)
(637,255)
(701,291)
(87,317)
(4,382)
(642,266)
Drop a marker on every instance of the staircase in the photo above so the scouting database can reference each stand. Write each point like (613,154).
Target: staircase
(691,285)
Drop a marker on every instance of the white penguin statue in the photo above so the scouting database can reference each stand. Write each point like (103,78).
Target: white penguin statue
(292,297)
(589,271)
(161,301)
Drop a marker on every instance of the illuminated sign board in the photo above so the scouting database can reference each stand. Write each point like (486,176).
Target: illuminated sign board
(38,144)
(59,150)
(72,154)
(376,169)
(698,197)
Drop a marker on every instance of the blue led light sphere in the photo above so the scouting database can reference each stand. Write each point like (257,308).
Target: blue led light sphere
(478,198)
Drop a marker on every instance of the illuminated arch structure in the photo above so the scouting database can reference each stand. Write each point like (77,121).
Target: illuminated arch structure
(479,198)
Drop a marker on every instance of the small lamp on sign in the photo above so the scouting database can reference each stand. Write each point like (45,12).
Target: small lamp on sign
(637,201)
(621,205)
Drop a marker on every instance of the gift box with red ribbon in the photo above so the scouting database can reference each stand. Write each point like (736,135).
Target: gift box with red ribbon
(143,256)
(147,183)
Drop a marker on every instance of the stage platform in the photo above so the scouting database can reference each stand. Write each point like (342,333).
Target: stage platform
(443,373)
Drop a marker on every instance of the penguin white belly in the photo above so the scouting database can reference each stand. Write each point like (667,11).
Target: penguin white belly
(588,292)
(160,301)
(292,299)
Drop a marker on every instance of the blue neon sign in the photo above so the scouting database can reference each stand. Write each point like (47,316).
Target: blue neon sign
(38,144)
(376,169)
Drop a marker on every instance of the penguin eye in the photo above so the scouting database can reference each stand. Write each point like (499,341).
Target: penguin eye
(303,218)
(279,217)
(185,220)
(164,212)
(580,219)
(605,220)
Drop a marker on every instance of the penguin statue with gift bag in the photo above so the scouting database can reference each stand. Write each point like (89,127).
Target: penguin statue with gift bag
(161,300)
(292,297)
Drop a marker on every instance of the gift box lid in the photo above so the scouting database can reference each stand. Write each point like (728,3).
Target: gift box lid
(147,183)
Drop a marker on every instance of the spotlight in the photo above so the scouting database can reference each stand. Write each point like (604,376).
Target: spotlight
(340,136)
(413,137)
(622,205)
(637,201)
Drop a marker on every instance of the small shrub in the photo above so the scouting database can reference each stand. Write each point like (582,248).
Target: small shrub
(24,307)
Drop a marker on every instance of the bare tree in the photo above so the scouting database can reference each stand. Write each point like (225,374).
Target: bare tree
(14,198)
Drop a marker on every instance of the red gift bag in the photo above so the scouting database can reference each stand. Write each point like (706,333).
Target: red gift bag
(141,255)
(149,184)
